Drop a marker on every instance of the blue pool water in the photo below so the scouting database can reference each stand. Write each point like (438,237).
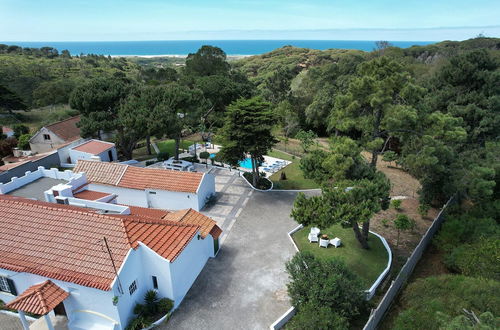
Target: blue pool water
(212,155)
(247,163)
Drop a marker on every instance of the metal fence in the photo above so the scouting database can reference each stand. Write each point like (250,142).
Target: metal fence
(378,313)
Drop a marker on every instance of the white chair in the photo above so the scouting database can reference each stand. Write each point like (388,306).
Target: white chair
(336,242)
(323,243)
(312,237)
(315,231)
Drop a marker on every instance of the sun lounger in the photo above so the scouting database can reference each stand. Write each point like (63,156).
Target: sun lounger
(336,242)
(312,238)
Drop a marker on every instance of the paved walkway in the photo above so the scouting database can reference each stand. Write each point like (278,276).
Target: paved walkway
(232,195)
(245,286)
(10,322)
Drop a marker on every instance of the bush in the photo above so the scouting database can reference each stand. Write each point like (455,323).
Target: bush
(423,209)
(314,316)
(138,323)
(162,156)
(447,294)
(150,162)
(24,142)
(477,259)
(328,283)
(150,302)
(192,159)
(396,203)
(20,129)
(165,305)
(283,176)
(263,183)
(204,155)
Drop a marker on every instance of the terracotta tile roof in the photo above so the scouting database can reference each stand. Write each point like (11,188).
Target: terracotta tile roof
(139,178)
(66,129)
(6,130)
(90,195)
(94,147)
(39,299)
(101,172)
(65,242)
(147,212)
(9,166)
(190,216)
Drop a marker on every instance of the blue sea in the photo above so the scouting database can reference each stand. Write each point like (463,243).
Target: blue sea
(184,47)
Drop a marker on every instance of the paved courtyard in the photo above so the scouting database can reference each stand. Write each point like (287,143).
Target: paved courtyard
(245,286)
(233,193)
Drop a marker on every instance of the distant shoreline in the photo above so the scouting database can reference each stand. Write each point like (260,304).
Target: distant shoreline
(175,56)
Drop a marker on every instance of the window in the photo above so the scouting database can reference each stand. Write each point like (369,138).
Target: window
(152,192)
(132,287)
(46,136)
(7,285)
(155,282)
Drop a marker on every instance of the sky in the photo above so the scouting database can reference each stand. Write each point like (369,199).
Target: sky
(106,20)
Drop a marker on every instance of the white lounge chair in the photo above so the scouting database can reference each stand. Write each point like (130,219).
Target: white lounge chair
(312,238)
(336,242)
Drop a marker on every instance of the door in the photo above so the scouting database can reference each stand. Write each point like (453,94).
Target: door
(110,155)
(60,310)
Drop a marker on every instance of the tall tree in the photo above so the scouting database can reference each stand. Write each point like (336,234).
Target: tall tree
(247,130)
(9,101)
(98,101)
(207,61)
(378,103)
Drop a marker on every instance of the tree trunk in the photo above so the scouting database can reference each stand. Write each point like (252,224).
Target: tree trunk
(361,239)
(148,144)
(177,144)
(366,229)
(376,134)
(255,172)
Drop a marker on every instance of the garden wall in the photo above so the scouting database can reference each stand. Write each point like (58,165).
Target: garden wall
(377,314)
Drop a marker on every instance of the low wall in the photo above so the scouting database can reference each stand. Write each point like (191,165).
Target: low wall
(378,313)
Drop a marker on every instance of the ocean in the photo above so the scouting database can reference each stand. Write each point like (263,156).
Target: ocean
(184,47)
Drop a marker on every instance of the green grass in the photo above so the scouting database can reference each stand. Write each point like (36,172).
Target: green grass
(169,146)
(294,176)
(368,264)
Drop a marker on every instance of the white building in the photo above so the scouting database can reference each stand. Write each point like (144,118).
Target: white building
(55,135)
(93,150)
(54,260)
(146,187)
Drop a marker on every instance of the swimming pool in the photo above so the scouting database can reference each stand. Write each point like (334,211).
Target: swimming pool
(247,163)
(212,155)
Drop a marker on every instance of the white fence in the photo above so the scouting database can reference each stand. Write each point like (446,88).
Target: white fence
(377,314)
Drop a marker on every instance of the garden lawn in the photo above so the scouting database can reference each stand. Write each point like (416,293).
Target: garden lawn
(294,176)
(168,146)
(368,264)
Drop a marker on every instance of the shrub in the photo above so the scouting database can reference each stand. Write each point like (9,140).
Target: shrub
(150,162)
(283,176)
(165,305)
(328,283)
(314,316)
(24,142)
(448,294)
(477,259)
(20,129)
(385,222)
(263,183)
(403,223)
(150,302)
(192,159)
(485,321)
(396,203)
(423,209)
(162,156)
(138,323)
(204,155)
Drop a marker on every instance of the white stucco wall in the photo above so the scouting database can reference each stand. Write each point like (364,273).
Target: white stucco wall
(171,200)
(76,155)
(64,151)
(81,301)
(206,189)
(125,196)
(188,265)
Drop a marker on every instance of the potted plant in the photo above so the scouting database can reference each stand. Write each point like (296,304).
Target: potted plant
(115,300)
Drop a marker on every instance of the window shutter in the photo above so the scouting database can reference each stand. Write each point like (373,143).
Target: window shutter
(12,287)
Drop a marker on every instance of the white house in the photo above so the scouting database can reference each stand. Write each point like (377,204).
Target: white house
(59,259)
(55,135)
(146,187)
(93,150)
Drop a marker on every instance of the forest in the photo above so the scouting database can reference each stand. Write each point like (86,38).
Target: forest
(433,111)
